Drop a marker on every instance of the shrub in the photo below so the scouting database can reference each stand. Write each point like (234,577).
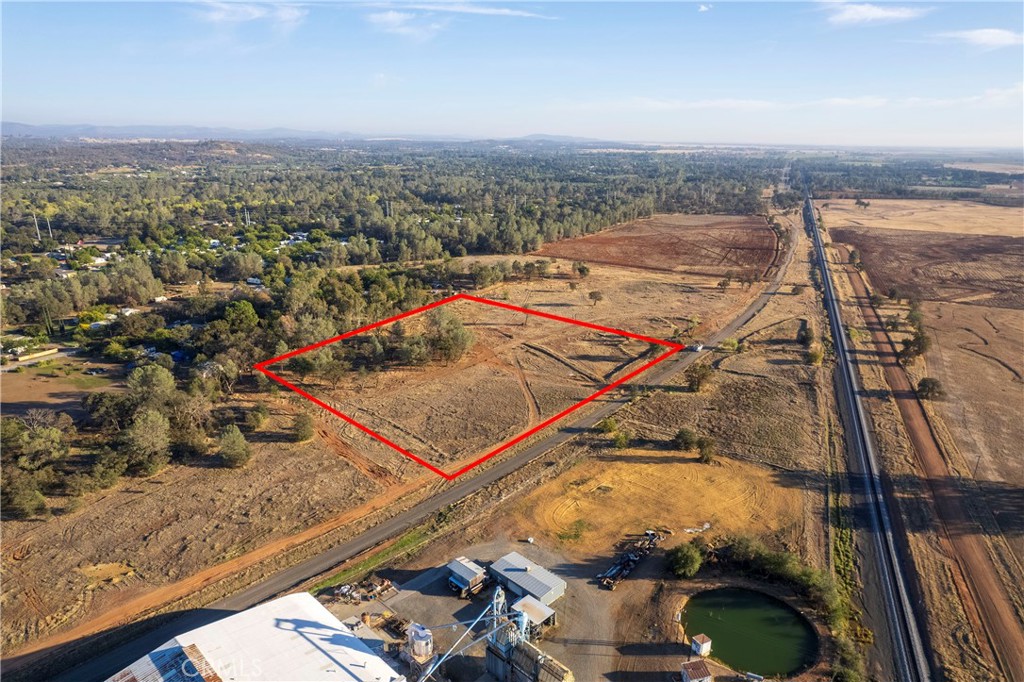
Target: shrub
(607,425)
(621,440)
(706,446)
(303,426)
(685,560)
(930,389)
(234,449)
(256,417)
(685,439)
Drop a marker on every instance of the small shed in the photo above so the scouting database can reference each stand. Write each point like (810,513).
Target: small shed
(539,616)
(696,671)
(701,645)
(522,577)
(465,577)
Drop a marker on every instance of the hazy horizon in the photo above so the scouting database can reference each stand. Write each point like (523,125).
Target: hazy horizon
(812,74)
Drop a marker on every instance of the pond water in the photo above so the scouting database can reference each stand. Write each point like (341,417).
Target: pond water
(751,631)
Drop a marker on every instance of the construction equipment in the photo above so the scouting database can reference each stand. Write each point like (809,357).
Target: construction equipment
(630,558)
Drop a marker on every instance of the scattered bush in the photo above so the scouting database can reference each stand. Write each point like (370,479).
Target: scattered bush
(706,447)
(607,425)
(685,560)
(685,439)
(303,427)
(930,389)
(234,449)
(621,440)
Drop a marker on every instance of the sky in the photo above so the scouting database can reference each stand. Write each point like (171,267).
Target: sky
(822,73)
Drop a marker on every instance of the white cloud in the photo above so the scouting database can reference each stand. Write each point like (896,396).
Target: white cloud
(847,13)
(993,97)
(989,38)
(704,8)
(284,16)
(864,102)
(464,8)
(408,24)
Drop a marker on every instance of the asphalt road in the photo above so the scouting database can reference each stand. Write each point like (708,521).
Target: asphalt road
(911,663)
(107,663)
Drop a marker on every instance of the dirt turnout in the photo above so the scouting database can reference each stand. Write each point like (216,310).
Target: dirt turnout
(711,245)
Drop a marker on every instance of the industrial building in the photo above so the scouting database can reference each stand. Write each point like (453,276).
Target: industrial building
(291,638)
(522,577)
(465,577)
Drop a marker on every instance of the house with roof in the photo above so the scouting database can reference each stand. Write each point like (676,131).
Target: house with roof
(696,671)
(465,577)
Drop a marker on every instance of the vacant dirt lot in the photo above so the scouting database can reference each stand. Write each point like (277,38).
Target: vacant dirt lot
(955,217)
(520,370)
(942,267)
(166,529)
(589,510)
(711,245)
(56,385)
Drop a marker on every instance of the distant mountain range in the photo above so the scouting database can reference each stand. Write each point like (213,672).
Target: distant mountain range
(171,132)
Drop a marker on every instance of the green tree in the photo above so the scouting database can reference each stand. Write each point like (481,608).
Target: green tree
(595,296)
(151,385)
(930,388)
(147,441)
(685,560)
(303,427)
(685,439)
(20,494)
(697,375)
(447,336)
(256,417)
(233,447)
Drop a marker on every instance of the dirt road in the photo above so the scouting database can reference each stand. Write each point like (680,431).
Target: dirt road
(1000,625)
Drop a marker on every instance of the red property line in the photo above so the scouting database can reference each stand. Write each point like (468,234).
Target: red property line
(263,367)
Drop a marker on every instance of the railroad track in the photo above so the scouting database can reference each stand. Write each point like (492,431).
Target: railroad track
(911,661)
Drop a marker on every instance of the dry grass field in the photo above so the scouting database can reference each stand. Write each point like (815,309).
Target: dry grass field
(587,510)
(677,243)
(954,217)
(160,533)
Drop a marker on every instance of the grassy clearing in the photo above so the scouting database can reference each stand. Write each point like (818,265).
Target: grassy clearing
(405,544)
(89,382)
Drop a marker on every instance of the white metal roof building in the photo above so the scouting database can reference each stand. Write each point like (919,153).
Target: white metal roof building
(465,574)
(291,639)
(523,577)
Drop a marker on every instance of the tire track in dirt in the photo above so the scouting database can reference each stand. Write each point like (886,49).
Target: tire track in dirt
(565,361)
(985,599)
(370,469)
(531,400)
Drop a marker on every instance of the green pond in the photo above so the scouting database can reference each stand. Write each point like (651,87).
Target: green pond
(751,631)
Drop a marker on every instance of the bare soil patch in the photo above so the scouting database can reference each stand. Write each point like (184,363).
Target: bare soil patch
(711,245)
(942,267)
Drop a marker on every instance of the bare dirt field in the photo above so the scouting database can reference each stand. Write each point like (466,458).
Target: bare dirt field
(190,525)
(711,245)
(57,385)
(520,370)
(925,215)
(942,267)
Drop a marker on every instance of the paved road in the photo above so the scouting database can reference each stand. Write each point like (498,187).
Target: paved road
(108,663)
(911,663)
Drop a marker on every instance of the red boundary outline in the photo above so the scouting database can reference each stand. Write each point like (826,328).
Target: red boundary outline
(262,367)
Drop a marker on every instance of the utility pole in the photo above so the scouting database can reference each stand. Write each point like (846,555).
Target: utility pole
(48,228)
(39,237)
